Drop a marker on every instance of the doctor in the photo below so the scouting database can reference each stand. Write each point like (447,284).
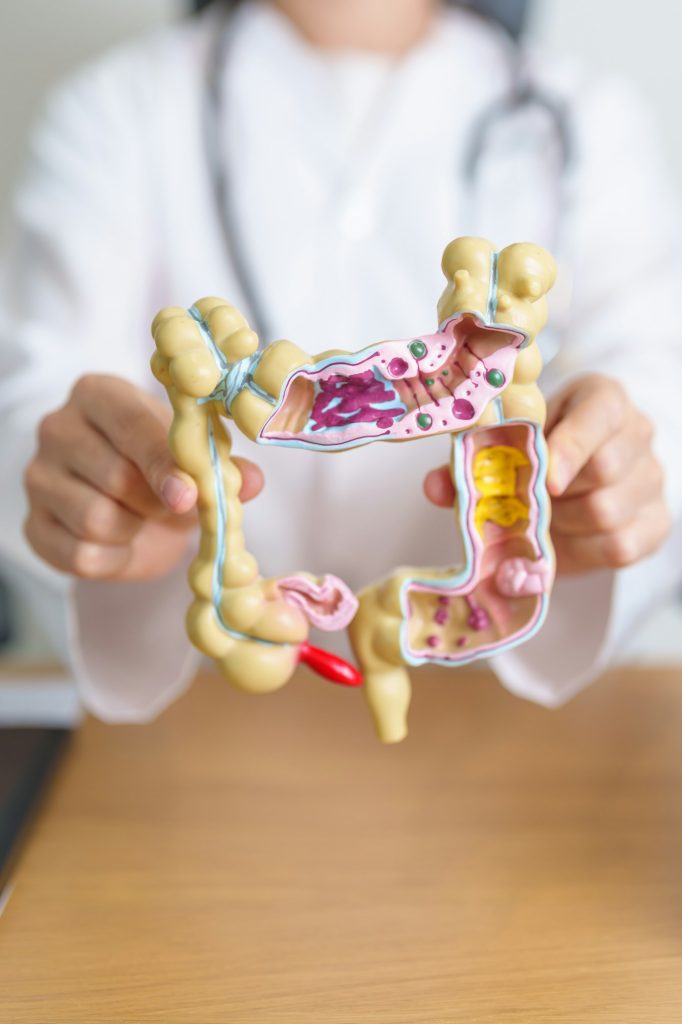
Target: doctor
(340,131)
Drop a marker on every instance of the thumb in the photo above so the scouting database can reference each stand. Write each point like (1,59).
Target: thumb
(438,487)
(150,451)
(177,490)
(252,478)
(132,421)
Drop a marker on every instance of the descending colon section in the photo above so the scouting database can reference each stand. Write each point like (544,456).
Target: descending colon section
(397,390)
(498,595)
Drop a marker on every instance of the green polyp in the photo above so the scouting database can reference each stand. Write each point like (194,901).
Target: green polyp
(417,348)
(424,420)
(430,382)
(495,378)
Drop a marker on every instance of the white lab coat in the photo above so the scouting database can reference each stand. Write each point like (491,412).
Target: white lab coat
(346,180)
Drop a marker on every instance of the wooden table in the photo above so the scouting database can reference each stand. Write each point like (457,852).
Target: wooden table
(263,859)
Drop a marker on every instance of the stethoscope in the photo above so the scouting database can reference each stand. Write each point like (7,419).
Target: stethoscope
(522,96)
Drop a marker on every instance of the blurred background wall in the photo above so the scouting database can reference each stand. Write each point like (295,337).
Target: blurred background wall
(41,40)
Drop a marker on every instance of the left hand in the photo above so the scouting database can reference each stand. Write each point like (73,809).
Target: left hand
(606,484)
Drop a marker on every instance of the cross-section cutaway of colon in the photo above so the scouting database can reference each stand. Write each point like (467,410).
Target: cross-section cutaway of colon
(475,377)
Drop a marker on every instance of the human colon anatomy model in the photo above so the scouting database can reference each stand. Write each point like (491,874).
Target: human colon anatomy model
(475,378)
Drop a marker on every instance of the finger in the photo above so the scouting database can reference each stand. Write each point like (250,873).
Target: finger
(614,460)
(138,432)
(61,549)
(70,441)
(90,456)
(591,415)
(252,478)
(438,487)
(86,513)
(609,508)
(616,549)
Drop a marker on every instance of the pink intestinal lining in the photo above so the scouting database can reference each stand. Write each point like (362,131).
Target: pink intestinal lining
(368,398)
(328,604)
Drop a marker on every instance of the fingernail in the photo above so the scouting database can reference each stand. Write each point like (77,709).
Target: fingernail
(173,492)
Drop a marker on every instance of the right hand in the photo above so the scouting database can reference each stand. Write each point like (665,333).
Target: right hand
(106,500)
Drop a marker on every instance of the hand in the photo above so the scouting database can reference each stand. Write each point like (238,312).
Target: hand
(608,504)
(607,486)
(106,500)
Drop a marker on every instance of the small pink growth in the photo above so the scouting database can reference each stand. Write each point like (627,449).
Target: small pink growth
(397,367)
(519,577)
(328,603)
(463,409)
(479,618)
